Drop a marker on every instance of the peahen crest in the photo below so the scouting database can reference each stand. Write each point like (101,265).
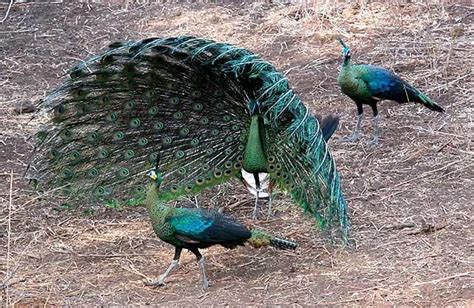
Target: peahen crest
(189,100)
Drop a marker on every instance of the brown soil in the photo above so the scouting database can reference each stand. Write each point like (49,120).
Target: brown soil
(409,198)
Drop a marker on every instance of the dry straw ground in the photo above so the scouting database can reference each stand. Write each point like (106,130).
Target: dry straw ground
(410,198)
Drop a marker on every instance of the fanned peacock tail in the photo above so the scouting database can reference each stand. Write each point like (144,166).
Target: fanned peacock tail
(187,100)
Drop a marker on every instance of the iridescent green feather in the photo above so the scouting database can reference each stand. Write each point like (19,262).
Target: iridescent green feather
(187,100)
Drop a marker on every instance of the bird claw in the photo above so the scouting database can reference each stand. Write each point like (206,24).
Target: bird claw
(351,138)
(205,285)
(155,283)
(374,142)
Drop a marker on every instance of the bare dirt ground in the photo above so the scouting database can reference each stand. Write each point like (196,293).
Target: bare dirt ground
(410,198)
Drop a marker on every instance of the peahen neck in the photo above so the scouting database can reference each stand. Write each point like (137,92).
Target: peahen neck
(157,210)
(347,61)
(255,158)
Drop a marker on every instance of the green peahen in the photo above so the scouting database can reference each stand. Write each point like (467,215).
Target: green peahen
(195,228)
(369,84)
(209,109)
(328,126)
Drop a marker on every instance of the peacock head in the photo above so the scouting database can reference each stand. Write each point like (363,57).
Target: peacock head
(156,176)
(346,51)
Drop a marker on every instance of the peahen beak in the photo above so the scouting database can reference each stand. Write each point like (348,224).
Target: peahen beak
(342,42)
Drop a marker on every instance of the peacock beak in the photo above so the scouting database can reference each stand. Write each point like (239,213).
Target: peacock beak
(153,175)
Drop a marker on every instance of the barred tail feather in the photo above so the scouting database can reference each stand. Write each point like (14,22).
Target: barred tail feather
(261,239)
(281,243)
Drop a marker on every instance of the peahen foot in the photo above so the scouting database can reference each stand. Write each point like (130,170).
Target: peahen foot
(352,137)
(374,141)
(156,282)
(202,266)
(161,280)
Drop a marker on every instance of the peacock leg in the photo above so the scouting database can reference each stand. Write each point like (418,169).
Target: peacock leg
(375,139)
(202,265)
(255,209)
(270,198)
(161,280)
(257,189)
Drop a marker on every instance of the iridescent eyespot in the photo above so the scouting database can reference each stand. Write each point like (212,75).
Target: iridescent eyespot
(111,117)
(129,154)
(153,110)
(123,172)
(118,136)
(135,122)
(103,153)
(158,125)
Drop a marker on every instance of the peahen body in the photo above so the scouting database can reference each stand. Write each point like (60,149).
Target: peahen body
(209,109)
(369,84)
(328,126)
(193,229)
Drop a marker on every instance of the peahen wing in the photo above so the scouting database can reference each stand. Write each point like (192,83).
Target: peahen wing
(138,100)
(383,84)
(207,227)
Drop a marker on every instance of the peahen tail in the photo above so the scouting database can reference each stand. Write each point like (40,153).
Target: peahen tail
(260,239)
(427,102)
(329,125)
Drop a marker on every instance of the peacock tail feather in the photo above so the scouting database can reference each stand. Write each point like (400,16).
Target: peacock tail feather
(187,100)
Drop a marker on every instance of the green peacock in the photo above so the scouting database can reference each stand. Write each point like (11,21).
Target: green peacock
(328,126)
(369,84)
(195,228)
(208,109)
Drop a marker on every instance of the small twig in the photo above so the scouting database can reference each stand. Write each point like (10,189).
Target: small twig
(8,12)
(9,229)
(9,284)
(442,279)
(401,226)
(133,270)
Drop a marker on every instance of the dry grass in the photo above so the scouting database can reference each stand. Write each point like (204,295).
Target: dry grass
(410,198)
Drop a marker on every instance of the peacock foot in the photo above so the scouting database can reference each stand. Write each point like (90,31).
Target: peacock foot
(156,282)
(352,137)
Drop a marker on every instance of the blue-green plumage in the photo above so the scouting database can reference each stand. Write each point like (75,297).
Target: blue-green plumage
(197,228)
(369,84)
(190,100)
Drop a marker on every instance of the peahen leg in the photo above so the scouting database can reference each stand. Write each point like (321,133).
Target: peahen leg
(161,280)
(375,123)
(356,133)
(257,188)
(375,139)
(202,265)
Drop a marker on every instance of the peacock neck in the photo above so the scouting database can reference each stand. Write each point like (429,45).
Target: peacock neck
(255,158)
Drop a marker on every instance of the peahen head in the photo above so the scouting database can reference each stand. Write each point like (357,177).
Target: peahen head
(346,51)
(156,175)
